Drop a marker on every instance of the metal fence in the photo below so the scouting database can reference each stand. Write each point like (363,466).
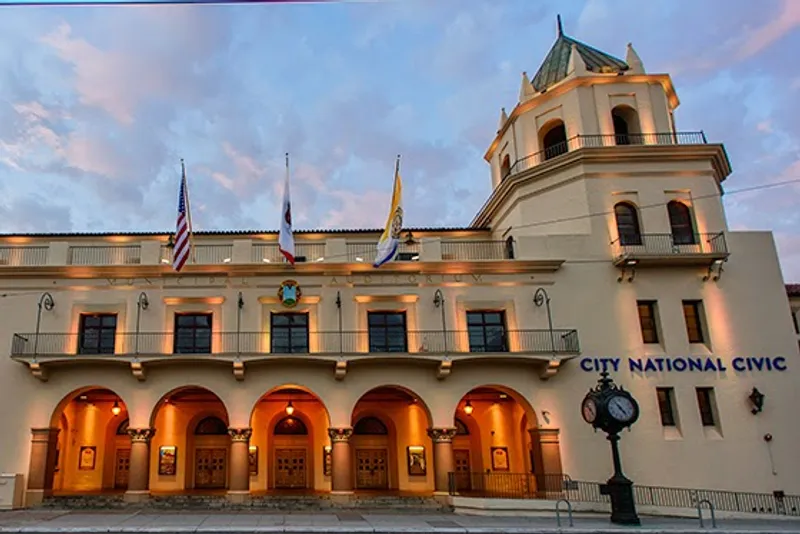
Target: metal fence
(105,255)
(476,250)
(552,487)
(641,245)
(609,140)
(417,342)
(23,256)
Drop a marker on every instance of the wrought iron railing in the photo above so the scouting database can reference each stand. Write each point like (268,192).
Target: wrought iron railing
(530,486)
(416,342)
(477,250)
(23,256)
(105,255)
(606,140)
(642,245)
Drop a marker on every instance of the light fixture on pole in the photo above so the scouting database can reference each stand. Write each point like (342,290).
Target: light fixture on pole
(289,408)
(438,301)
(142,304)
(116,408)
(45,301)
(468,408)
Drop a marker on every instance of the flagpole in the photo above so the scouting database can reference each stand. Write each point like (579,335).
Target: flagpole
(397,166)
(188,210)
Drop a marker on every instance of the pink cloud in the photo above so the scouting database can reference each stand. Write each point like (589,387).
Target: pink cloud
(760,38)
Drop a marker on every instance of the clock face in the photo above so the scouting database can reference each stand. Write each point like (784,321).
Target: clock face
(589,410)
(621,408)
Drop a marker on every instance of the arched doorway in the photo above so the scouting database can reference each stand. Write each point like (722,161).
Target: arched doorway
(190,449)
(92,447)
(626,125)
(553,139)
(390,446)
(501,442)
(289,444)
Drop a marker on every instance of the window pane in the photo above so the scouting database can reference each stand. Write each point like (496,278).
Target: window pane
(396,319)
(665,406)
(109,321)
(280,319)
(203,321)
(474,318)
(493,318)
(376,319)
(299,319)
(704,403)
(647,322)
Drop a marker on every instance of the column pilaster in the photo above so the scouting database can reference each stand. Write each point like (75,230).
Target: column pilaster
(443,462)
(341,460)
(546,458)
(240,465)
(139,471)
(42,467)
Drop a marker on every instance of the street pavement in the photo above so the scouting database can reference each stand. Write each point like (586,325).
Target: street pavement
(356,522)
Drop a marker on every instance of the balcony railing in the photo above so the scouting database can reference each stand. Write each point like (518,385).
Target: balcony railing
(635,247)
(608,140)
(23,256)
(202,254)
(529,486)
(105,255)
(563,342)
(366,251)
(476,250)
(270,253)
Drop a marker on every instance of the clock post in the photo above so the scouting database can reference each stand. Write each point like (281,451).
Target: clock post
(611,409)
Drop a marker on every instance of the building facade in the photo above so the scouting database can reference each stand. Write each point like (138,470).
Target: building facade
(603,246)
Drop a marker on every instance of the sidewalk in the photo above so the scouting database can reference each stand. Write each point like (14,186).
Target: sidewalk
(149,522)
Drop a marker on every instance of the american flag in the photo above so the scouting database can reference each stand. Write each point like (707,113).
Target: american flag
(182,230)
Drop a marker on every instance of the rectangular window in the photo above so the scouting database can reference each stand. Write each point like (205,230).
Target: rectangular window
(487,331)
(289,333)
(97,333)
(387,331)
(692,311)
(705,402)
(647,320)
(192,333)
(666,406)
(796,320)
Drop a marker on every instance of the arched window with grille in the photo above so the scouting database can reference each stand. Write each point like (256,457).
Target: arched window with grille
(680,222)
(627,224)
(211,426)
(291,426)
(370,426)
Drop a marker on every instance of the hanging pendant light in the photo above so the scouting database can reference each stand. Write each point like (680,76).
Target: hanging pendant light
(116,409)
(289,408)
(468,408)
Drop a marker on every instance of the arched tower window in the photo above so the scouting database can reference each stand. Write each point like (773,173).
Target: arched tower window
(680,222)
(505,167)
(211,426)
(370,426)
(291,426)
(626,126)
(627,224)
(554,140)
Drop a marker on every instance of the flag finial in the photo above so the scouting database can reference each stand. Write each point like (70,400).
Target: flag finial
(560,26)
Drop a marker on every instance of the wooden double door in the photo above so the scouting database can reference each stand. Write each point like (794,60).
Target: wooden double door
(372,469)
(211,468)
(463,468)
(291,468)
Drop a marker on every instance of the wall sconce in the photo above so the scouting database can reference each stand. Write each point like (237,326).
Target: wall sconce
(757,400)
(116,409)
(468,408)
(289,408)
(629,267)
(714,271)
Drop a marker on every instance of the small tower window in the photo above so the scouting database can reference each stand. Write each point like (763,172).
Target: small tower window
(627,224)
(626,126)
(505,167)
(680,222)
(554,140)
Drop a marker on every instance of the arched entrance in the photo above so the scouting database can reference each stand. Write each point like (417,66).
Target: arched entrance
(390,446)
(499,440)
(92,446)
(190,449)
(289,444)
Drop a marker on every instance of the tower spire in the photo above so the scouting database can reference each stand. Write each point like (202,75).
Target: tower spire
(560,26)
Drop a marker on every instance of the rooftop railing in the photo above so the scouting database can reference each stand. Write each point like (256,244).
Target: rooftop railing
(23,256)
(552,487)
(105,255)
(604,140)
(256,343)
(202,254)
(477,250)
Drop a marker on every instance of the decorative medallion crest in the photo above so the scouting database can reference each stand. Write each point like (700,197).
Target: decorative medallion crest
(289,293)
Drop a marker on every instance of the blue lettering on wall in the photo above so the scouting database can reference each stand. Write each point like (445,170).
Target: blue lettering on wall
(680,364)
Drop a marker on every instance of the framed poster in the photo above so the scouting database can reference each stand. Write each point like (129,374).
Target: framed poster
(416,460)
(253,459)
(87,457)
(499,458)
(167,460)
(327,460)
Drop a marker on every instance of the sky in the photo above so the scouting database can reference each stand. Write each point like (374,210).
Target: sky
(99,104)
